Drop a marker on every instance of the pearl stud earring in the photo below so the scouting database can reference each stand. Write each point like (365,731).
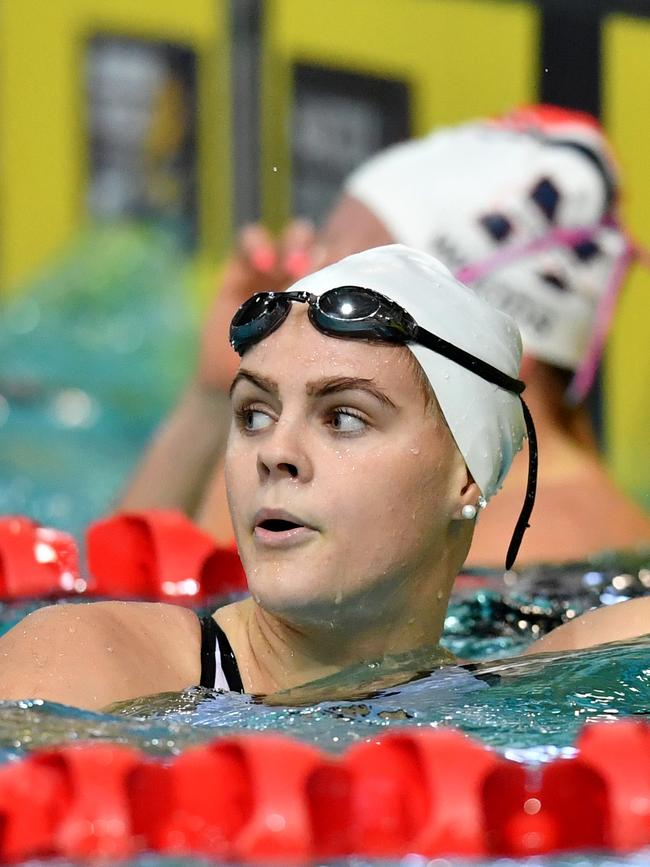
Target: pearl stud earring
(468,512)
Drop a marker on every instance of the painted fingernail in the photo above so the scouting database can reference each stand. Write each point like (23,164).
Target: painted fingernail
(263,258)
(298,263)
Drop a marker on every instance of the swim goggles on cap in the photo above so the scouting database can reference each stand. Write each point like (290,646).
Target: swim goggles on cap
(357,312)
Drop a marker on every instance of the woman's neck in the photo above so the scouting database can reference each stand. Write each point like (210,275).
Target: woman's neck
(274,654)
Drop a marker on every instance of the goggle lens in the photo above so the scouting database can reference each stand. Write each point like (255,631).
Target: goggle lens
(259,316)
(257,306)
(349,303)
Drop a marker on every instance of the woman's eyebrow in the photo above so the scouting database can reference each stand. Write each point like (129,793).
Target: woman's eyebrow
(256,379)
(331,385)
(318,388)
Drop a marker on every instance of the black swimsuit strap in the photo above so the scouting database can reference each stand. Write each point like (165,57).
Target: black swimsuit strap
(211,634)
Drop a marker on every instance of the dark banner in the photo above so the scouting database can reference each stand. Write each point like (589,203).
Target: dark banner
(339,119)
(141,116)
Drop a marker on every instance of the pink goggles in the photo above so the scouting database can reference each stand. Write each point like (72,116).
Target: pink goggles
(585,373)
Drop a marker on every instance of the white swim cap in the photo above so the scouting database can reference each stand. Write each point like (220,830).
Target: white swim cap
(485,420)
(466,194)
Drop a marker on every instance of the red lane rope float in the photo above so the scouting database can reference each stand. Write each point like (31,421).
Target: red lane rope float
(36,561)
(267,799)
(429,787)
(153,554)
(159,554)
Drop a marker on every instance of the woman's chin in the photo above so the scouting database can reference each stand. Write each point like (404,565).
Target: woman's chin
(295,599)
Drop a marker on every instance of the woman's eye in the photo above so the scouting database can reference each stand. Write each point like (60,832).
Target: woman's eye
(345,421)
(253,419)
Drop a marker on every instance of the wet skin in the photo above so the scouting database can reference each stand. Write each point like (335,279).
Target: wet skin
(334,435)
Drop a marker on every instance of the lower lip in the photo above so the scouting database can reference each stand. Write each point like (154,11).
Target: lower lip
(284,538)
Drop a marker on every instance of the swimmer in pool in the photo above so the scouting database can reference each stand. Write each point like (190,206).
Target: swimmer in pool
(476,196)
(375,408)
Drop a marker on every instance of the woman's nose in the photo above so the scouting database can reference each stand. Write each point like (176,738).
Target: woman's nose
(283,454)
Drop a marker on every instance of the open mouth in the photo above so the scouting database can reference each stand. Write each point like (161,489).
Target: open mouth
(279,525)
(279,529)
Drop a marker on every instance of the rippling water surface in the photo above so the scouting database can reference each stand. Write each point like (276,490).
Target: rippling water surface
(529,709)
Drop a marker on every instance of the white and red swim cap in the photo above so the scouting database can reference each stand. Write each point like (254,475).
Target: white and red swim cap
(489,191)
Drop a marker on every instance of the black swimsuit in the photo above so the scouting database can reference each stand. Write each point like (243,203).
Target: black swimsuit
(219,669)
(225,675)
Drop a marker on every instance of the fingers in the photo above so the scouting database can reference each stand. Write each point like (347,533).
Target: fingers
(283,260)
(296,246)
(259,263)
(257,247)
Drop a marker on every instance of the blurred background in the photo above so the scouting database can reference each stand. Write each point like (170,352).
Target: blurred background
(136,137)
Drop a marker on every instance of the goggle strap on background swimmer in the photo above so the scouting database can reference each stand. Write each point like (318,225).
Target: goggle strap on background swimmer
(523,521)
(632,252)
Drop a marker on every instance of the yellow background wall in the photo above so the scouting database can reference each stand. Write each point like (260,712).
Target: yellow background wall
(626,90)
(438,47)
(43,161)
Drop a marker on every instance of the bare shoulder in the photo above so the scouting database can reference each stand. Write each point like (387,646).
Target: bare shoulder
(95,622)
(90,655)
(620,622)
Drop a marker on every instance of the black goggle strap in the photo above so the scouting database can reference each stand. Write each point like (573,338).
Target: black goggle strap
(497,377)
(531,487)
(468,361)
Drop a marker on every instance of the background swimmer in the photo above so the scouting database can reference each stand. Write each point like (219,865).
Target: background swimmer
(549,169)
(354,469)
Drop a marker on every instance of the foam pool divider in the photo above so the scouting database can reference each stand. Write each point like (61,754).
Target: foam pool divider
(268,799)
(36,561)
(153,554)
(159,554)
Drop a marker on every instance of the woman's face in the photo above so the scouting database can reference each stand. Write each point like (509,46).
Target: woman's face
(342,484)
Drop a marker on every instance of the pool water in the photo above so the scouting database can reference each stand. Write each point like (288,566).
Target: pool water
(92,353)
(90,358)
(636,860)
(530,709)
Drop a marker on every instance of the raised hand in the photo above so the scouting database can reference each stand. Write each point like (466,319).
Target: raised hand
(259,263)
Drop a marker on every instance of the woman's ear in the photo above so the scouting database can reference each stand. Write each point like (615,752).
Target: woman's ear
(470,500)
